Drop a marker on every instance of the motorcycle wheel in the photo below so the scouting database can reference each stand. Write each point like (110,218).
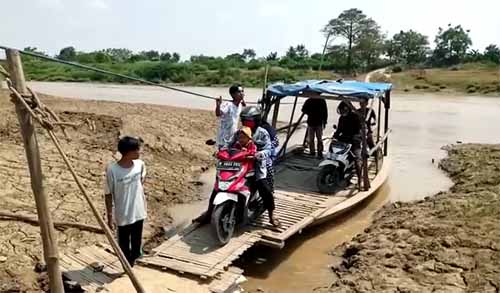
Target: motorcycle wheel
(329,179)
(224,221)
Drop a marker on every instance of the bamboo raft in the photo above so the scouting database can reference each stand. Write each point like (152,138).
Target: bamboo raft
(194,253)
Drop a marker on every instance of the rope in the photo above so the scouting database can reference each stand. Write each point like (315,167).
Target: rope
(4,72)
(48,120)
(107,72)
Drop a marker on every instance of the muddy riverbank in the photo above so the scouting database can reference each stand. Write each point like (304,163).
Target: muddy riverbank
(449,242)
(175,155)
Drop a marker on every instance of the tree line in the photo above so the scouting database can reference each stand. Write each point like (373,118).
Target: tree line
(355,43)
(362,44)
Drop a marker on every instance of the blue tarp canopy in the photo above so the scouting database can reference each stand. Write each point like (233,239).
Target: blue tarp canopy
(350,88)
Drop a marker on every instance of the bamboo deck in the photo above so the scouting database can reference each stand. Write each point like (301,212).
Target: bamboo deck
(195,253)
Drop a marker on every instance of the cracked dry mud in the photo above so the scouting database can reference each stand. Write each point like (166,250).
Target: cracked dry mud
(446,243)
(175,154)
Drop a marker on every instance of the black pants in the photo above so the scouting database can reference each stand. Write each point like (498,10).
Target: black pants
(129,239)
(265,191)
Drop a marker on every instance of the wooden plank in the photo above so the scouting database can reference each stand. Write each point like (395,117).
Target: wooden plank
(175,265)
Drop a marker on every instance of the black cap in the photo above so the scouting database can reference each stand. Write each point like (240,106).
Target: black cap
(235,88)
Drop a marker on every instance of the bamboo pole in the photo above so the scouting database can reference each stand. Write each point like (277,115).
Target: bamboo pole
(8,216)
(364,153)
(283,149)
(49,238)
(109,235)
(379,119)
(379,144)
(387,105)
(288,126)
(276,112)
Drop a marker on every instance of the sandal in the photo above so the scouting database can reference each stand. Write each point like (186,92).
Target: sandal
(275,223)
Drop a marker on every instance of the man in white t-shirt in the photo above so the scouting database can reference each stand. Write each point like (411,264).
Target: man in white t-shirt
(229,114)
(124,191)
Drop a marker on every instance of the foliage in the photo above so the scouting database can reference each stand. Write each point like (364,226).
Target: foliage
(492,54)
(357,29)
(408,47)
(451,45)
(67,54)
(358,45)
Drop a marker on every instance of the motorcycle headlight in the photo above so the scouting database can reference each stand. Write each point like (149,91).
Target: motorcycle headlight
(224,185)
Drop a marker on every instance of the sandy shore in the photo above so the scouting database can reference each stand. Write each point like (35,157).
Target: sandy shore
(446,243)
(175,155)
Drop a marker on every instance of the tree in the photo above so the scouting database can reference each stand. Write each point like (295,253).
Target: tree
(118,54)
(273,56)
(101,57)
(351,24)
(291,53)
(235,57)
(176,57)
(390,49)
(248,54)
(301,51)
(67,54)
(165,56)
(408,47)
(492,53)
(369,48)
(474,56)
(451,45)
(150,55)
(34,50)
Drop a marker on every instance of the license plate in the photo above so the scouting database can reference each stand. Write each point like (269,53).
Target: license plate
(229,166)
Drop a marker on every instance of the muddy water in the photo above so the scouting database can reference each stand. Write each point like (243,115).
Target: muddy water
(421,126)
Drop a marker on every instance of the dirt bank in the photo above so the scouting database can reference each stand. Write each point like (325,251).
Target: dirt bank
(446,243)
(175,155)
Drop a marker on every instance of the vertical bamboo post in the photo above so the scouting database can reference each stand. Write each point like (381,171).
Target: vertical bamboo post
(49,238)
(387,105)
(276,112)
(364,153)
(283,148)
(379,119)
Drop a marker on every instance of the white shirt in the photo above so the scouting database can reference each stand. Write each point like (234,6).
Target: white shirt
(125,185)
(229,117)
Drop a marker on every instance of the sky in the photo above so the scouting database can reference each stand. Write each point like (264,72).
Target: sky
(222,27)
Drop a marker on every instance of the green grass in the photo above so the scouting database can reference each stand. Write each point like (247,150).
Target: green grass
(469,78)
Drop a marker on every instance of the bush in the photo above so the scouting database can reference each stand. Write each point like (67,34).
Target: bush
(397,69)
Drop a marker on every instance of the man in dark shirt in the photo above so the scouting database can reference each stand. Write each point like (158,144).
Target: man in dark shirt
(349,131)
(317,117)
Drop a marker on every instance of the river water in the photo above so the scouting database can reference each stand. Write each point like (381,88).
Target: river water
(421,125)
